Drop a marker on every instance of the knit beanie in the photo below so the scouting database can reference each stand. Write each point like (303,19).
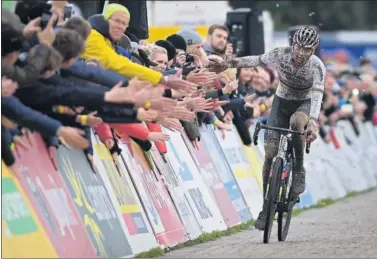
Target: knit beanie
(168,46)
(178,41)
(110,9)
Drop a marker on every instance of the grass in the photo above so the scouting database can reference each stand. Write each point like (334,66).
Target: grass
(203,238)
(207,237)
(320,204)
(154,252)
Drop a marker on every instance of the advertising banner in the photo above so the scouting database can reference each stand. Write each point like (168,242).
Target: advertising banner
(349,156)
(93,204)
(177,194)
(51,200)
(214,183)
(122,191)
(22,235)
(256,163)
(204,206)
(169,229)
(225,173)
(360,151)
(234,153)
(319,157)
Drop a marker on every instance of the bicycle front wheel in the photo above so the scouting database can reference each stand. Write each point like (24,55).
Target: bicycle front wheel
(284,221)
(273,192)
(285,213)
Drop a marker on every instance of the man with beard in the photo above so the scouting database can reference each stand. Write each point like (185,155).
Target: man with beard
(296,104)
(217,42)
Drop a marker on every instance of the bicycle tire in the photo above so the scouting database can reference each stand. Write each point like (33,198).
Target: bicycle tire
(284,228)
(273,191)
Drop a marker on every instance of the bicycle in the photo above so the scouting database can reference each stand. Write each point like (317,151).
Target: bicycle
(279,196)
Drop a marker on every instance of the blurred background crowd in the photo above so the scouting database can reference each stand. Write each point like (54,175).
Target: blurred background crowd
(66,76)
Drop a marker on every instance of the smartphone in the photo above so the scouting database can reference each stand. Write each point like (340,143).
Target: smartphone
(46,16)
(68,11)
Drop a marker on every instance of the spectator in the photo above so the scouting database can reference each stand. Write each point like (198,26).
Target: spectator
(180,47)
(217,42)
(79,25)
(99,45)
(159,56)
(194,47)
(245,76)
(30,72)
(170,49)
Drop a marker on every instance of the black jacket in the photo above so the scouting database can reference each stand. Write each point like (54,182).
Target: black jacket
(6,153)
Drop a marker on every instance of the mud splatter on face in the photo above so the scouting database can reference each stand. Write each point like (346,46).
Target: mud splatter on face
(301,55)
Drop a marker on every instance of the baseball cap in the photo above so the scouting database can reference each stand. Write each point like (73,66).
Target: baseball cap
(190,36)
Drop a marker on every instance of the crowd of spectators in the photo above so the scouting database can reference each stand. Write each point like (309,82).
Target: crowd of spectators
(350,94)
(68,77)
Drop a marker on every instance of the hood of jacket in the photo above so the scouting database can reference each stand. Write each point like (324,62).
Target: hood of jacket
(99,24)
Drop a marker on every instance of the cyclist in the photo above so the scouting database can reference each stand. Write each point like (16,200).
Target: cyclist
(296,104)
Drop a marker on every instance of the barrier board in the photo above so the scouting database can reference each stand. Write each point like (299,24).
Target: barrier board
(120,188)
(318,158)
(214,183)
(225,173)
(22,234)
(347,155)
(165,220)
(356,145)
(93,203)
(234,153)
(51,200)
(177,194)
(132,203)
(203,205)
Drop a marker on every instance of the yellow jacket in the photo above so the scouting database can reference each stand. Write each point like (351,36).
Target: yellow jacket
(98,47)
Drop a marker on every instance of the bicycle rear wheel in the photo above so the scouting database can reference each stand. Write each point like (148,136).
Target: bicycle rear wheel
(273,191)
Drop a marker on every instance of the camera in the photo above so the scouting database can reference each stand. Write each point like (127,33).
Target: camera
(189,58)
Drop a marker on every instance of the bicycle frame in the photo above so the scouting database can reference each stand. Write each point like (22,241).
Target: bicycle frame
(283,146)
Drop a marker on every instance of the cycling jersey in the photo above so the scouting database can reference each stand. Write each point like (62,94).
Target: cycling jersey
(305,83)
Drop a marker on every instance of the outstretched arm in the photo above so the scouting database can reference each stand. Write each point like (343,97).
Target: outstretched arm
(266,59)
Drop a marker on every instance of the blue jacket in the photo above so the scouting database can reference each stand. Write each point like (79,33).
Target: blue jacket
(93,74)
(122,51)
(49,93)
(26,117)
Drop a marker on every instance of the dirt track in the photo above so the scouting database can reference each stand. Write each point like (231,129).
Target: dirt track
(347,228)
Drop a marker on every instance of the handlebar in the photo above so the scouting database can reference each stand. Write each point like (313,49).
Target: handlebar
(260,126)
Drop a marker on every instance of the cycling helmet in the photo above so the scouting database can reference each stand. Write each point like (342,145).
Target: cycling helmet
(306,37)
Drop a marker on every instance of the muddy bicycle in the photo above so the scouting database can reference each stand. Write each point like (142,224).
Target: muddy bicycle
(279,196)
